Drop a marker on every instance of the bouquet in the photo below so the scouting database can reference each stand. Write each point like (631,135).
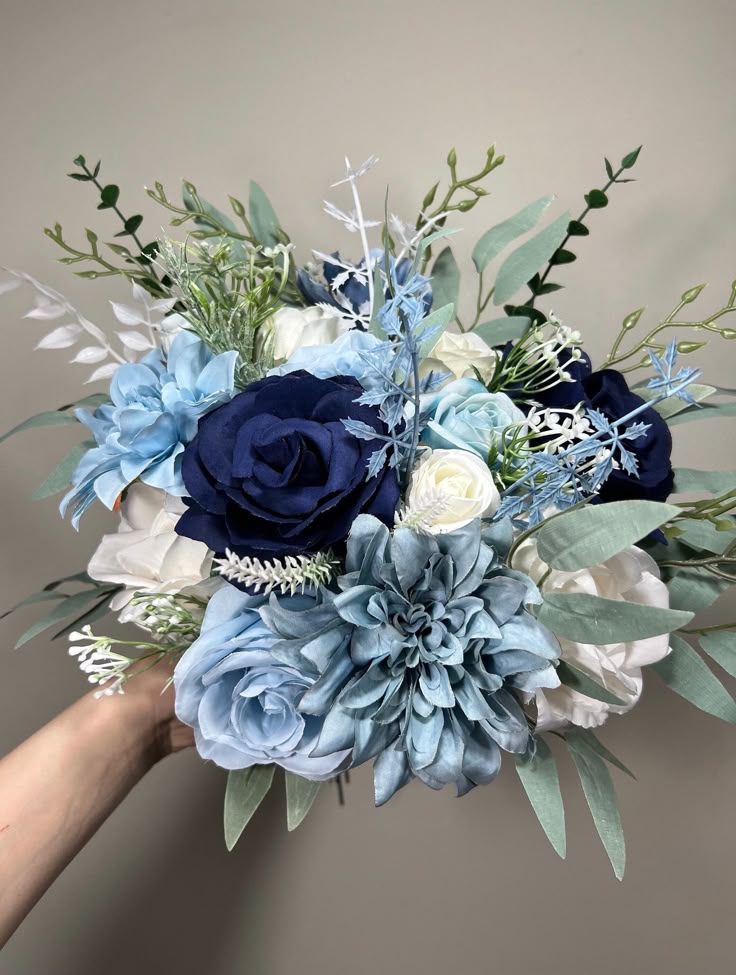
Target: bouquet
(367,525)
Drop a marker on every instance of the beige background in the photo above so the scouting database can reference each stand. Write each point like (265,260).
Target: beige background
(223,91)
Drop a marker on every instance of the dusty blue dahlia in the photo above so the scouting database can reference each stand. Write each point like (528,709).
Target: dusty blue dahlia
(419,659)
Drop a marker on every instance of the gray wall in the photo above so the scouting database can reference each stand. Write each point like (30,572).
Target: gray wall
(223,91)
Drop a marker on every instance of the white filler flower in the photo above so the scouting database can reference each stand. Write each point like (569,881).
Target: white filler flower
(448,489)
(146,555)
(297,328)
(632,576)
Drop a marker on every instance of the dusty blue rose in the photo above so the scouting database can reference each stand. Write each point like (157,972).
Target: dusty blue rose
(465,415)
(243,703)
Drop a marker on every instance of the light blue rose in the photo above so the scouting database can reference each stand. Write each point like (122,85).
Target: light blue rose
(465,415)
(243,703)
(339,358)
(155,407)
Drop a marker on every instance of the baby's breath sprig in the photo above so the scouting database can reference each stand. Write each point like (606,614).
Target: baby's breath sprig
(292,574)
(532,364)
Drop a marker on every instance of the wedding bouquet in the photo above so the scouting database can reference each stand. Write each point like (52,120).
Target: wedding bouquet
(368,525)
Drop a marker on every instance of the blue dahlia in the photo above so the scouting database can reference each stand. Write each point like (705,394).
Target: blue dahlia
(418,661)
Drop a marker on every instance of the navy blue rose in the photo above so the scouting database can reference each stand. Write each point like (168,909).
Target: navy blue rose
(607,391)
(274,472)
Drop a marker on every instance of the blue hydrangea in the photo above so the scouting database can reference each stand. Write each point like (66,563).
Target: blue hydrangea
(465,415)
(419,660)
(346,356)
(155,407)
(241,702)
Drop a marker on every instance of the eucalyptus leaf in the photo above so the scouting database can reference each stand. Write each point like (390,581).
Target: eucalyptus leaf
(499,331)
(695,589)
(89,616)
(445,279)
(585,618)
(527,259)
(687,674)
(246,790)
(61,477)
(49,418)
(499,237)
(673,404)
(601,797)
(721,647)
(600,749)
(262,216)
(70,605)
(36,597)
(705,411)
(591,535)
(433,325)
(541,783)
(702,536)
(220,221)
(578,680)
(688,480)
(300,794)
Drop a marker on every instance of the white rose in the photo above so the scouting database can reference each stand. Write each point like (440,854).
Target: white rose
(146,554)
(632,576)
(297,328)
(458,354)
(448,489)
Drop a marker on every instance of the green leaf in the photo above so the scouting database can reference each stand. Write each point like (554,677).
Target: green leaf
(688,480)
(445,279)
(577,229)
(527,259)
(263,217)
(561,256)
(542,785)
(695,589)
(674,405)
(436,322)
(133,223)
(630,158)
(61,476)
(246,789)
(97,612)
(499,237)
(218,220)
(80,161)
(108,196)
(503,330)
(705,411)
(702,536)
(583,683)
(601,797)
(721,647)
(591,535)
(593,744)
(591,619)
(71,604)
(49,418)
(609,169)
(688,675)
(36,597)
(596,199)
(300,794)
(82,177)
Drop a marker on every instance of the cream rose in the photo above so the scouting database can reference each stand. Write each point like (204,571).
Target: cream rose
(448,489)
(457,354)
(631,576)
(146,554)
(296,328)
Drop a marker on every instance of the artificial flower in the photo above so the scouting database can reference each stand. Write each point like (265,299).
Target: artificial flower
(343,357)
(420,657)
(631,576)
(449,489)
(274,472)
(242,703)
(146,555)
(291,329)
(154,410)
(466,416)
(459,355)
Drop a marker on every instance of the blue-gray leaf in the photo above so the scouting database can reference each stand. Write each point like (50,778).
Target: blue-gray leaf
(721,647)
(246,789)
(503,330)
(300,794)
(689,676)
(445,279)
(542,785)
(592,619)
(601,797)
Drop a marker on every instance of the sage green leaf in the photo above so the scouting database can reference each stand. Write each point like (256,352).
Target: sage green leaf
(445,279)
(703,536)
(578,680)
(262,216)
(219,222)
(688,480)
(300,794)
(61,476)
(499,237)
(435,323)
(601,797)
(542,785)
(70,605)
(721,647)
(695,589)
(246,790)
(591,619)
(503,330)
(527,259)
(706,411)
(688,675)
(591,535)
(673,404)
(90,402)
(600,749)
(89,616)
(36,597)
(49,418)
